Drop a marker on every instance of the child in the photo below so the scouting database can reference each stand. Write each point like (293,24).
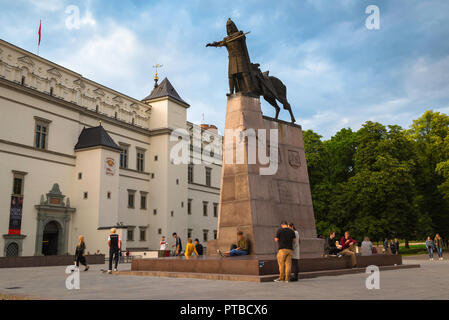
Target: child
(190,248)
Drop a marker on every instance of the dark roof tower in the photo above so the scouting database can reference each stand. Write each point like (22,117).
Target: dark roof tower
(165,89)
(94,137)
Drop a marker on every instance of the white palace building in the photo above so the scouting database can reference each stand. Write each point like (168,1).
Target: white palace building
(77,158)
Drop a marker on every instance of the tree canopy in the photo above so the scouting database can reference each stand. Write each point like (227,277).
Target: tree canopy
(382,181)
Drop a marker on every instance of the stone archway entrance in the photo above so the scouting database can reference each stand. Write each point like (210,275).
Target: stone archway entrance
(50,239)
(53,219)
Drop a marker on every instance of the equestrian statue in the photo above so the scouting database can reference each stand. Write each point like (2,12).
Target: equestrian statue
(246,77)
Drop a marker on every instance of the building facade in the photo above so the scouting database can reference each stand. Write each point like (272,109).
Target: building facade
(78,158)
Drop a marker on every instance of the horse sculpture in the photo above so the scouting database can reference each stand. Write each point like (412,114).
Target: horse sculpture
(272,89)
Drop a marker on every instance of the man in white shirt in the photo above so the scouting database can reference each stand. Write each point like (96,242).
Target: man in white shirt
(295,255)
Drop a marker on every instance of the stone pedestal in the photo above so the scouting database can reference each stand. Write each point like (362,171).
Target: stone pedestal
(255,203)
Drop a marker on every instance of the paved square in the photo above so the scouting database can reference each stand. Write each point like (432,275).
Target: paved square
(428,282)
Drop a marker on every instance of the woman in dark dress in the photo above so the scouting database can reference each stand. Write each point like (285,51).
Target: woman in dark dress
(79,253)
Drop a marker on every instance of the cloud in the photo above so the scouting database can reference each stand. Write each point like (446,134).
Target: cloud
(338,73)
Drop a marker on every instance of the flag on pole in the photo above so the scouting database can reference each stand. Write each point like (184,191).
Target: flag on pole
(39,33)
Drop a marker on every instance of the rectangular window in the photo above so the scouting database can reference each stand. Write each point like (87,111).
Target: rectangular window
(190,173)
(208,176)
(143,234)
(143,200)
(215,234)
(189,233)
(189,206)
(140,160)
(205,235)
(17,186)
(130,234)
(85,195)
(124,156)
(131,194)
(215,210)
(41,133)
(205,204)
(18,182)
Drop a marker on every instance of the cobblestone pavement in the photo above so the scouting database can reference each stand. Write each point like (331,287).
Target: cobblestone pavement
(428,282)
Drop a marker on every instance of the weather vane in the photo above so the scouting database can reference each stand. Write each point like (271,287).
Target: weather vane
(156,78)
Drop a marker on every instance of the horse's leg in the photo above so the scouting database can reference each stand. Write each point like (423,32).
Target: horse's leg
(289,108)
(272,100)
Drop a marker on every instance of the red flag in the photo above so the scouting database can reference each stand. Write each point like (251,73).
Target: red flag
(40,27)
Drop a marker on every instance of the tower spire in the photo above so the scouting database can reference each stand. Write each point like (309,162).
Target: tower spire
(156,77)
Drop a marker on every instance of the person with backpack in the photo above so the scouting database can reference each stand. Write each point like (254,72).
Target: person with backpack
(430,247)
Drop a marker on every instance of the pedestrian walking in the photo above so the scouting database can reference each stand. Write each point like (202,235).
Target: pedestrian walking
(80,256)
(438,243)
(115,245)
(430,247)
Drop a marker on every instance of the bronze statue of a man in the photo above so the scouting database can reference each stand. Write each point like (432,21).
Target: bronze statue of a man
(239,69)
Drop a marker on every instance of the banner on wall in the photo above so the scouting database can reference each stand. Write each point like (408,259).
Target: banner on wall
(15,215)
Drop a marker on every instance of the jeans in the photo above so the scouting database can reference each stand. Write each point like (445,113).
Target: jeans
(430,250)
(285,264)
(113,253)
(235,252)
(440,252)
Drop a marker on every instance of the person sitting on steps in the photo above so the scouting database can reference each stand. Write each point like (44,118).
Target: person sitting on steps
(240,249)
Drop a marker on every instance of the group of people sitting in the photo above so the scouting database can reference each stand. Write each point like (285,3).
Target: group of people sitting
(344,247)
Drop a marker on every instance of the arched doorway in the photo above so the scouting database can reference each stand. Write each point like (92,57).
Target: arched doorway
(50,239)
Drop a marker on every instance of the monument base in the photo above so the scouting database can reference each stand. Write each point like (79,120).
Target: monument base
(256,268)
(258,193)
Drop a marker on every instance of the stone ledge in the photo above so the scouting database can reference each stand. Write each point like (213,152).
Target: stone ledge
(252,278)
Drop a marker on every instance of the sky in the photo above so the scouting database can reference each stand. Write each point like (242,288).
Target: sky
(338,73)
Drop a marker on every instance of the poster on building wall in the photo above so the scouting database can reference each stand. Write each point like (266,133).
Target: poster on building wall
(15,215)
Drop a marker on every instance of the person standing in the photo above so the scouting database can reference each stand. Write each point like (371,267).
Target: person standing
(177,245)
(396,243)
(80,256)
(392,247)
(430,246)
(285,237)
(367,247)
(199,247)
(295,255)
(348,247)
(386,246)
(190,248)
(438,243)
(115,245)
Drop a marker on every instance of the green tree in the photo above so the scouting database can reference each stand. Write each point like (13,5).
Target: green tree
(430,133)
